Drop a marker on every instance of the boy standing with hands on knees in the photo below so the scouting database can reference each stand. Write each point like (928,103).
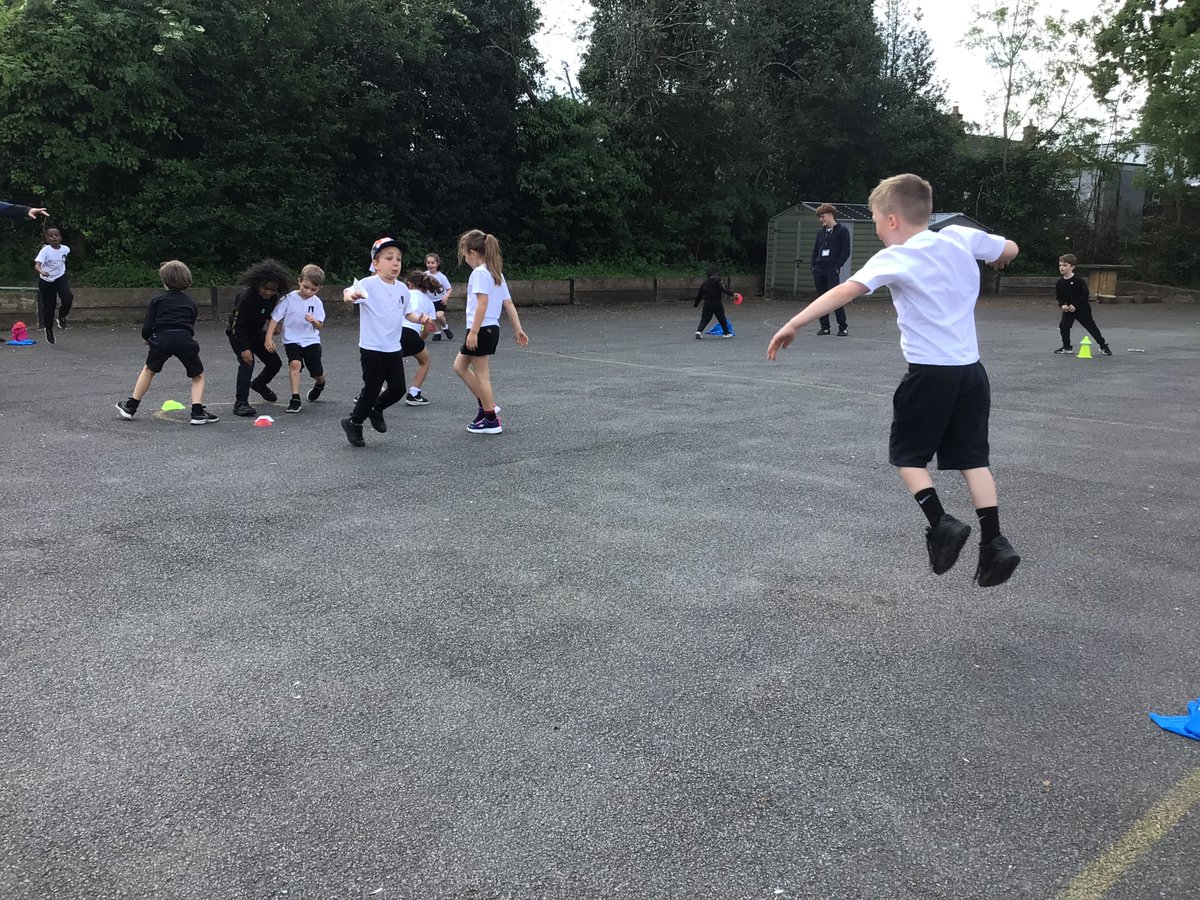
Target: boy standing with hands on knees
(943,402)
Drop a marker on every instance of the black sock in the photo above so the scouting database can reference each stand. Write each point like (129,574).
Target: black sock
(928,500)
(132,403)
(989,523)
(295,396)
(197,408)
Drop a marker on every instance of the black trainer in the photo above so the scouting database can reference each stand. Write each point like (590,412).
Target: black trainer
(62,324)
(448,333)
(315,392)
(997,561)
(265,392)
(437,335)
(126,411)
(1061,350)
(353,432)
(377,422)
(843,332)
(50,335)
(823,331)
(945,541)
(1106,350)
(242,408)
(203,417)
(416,400)
(293,405)
(699,336)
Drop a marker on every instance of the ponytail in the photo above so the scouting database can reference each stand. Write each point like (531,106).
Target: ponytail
(486,246)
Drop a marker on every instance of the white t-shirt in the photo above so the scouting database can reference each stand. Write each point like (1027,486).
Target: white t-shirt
(418,302)
(381,314)
(934,280)
(291,311)
(443,281)
(53,261)
(482,282)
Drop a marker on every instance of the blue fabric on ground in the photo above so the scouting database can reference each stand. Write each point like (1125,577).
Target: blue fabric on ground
(28,342)
(1188,726)
(716,329)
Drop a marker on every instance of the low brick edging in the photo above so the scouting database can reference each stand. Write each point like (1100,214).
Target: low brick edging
(129,304)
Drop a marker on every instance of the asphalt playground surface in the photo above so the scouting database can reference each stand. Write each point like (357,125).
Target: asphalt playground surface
(672,634)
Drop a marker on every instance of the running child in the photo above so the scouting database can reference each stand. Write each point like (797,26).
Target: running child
(381,300)
(487,294)
(303,315)
(169,330)
(419,319)
(265,283)
(1071,292)
(433,264)
(942,404)
(54,288)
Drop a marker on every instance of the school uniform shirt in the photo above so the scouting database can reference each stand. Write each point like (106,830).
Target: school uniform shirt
(170,311)
(443,281)
(418,302)
(1072,291)
(381,314)
(934,281)
(291,311)
(482,282)
(53,261)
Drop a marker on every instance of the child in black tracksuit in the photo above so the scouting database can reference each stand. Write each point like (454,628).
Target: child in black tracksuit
(710,295)
(1071,293)
(265,283)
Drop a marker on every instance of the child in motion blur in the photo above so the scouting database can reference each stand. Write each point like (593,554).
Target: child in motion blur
(54,287)
(1071,293)
(169,330)
(942,404)
(381,301)
(303,315)
(419,319)
(433,266)
(487,294)
(710,295)
(265,283)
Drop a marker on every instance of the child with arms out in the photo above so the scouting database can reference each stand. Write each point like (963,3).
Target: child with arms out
(303,315)
(942,404)
(169,330)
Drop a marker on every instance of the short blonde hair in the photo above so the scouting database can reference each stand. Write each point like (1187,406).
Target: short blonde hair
(908,196)
(313,273)
(175,275)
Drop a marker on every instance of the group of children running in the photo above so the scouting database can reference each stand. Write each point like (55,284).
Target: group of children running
(395,316)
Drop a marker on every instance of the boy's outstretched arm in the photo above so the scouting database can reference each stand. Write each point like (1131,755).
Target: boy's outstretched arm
(1010,253)
(825,304)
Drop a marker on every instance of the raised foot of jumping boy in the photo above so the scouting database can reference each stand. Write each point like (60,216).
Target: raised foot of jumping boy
(263,391)
(997,561)
(315,392)
(945,541)
(377,421)
(126,411)
(354,432)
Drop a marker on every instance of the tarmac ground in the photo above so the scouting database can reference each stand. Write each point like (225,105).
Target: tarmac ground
(671,635)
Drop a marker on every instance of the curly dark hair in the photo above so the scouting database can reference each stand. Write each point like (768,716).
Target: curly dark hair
(265,272)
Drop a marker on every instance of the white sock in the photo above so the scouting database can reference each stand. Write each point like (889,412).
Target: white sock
(413,391)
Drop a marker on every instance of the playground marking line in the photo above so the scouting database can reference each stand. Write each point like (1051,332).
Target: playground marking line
(1098,878)
(1029,409)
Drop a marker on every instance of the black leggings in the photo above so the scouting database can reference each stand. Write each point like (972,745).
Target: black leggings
(378,367)
(714,308)
(271,364)
(1082,315)
(51,291)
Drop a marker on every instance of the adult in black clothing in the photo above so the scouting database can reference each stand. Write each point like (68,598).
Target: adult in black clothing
(710,294)
(1074,299)
(265,283)
(18,212)
(830,251)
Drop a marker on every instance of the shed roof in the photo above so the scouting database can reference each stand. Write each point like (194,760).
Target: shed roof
(860,212)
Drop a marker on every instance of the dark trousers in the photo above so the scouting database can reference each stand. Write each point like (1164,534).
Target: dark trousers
(713,308)
(823,280)
(1082,315)
(49,293)
(257,346)
(379,367)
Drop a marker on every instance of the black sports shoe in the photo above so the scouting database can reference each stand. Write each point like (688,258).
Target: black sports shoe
(353,432)
(416,400)
(265,392)
(437,335)
(242,408)
(699,336)
(1062,350)
(50,335)
(945,541)
(293,405)
(377,421)
(843,332)
(448,333)
(124,409)
(315,392)
(997,561)
(1106,350)
(823,331)
(61,323)
(204,417)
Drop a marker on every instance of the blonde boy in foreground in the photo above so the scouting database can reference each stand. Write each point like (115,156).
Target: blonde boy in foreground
(942,404)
